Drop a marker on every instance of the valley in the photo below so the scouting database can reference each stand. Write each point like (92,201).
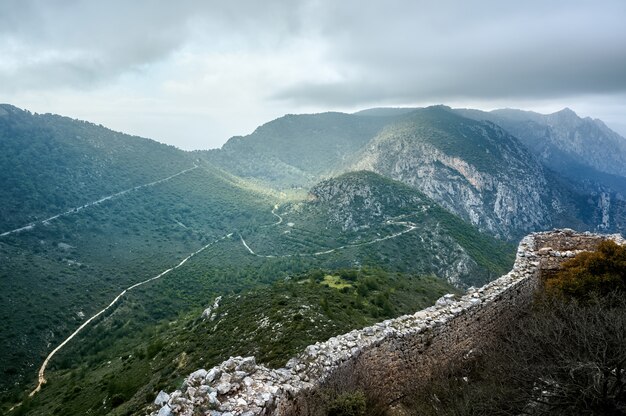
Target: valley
(311,226)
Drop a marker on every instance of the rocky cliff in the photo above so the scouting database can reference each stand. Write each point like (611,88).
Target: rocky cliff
(582,149)
(476,170)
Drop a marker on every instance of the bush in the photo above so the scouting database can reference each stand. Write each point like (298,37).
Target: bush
(348,404)
(599,272)
(117,400)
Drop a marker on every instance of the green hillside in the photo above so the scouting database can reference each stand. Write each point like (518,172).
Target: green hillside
(296,150)
(58,273)
(55,276)
(49,164)
(273,323)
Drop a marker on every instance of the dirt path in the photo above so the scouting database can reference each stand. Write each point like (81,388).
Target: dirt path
(42,369)
(32,225)
(409,227)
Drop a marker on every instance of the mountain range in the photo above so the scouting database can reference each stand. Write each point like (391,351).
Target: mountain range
(500,175)
(330,219)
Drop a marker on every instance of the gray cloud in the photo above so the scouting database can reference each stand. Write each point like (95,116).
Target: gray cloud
(380,50)
(437,51)
(223,67)
(71,43)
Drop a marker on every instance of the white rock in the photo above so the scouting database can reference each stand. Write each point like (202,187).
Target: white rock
(165,411)
(213,374)
(198,374)
(223,388)
(248,364)
(162,398)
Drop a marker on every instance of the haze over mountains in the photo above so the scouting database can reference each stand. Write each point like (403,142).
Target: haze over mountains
(360,207)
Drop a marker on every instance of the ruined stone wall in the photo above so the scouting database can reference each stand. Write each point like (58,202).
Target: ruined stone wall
(388,359)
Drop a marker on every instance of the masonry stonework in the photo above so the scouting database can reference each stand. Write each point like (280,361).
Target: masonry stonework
(388,359)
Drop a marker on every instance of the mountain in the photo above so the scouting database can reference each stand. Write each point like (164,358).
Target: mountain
(56,275)
(49,164)
(476,169)
(111,219)
(378,221)
(87,212)
(582,149)
(296,150)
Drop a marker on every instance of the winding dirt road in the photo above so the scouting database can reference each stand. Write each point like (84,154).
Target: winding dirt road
(42,369)
(409,227)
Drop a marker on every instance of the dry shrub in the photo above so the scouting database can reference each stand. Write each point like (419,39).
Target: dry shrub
(591,273)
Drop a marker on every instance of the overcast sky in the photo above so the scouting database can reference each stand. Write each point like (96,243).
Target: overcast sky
(194,73)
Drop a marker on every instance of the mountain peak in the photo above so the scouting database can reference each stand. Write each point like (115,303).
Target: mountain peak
(566,112)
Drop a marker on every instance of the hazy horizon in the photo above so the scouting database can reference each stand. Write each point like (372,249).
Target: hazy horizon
(195,73)
(351,112)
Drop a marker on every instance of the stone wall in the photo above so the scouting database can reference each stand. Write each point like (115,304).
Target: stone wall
(388,359)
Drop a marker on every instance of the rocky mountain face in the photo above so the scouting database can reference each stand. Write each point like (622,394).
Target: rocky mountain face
(384,210)
(475,170)
(356,200)
(507,172)
(582,149)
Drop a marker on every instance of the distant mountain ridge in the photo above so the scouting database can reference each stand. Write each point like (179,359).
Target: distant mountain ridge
(295,150)
(582,149)
(471,162)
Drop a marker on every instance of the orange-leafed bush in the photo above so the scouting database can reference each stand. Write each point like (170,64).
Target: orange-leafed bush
(591,273)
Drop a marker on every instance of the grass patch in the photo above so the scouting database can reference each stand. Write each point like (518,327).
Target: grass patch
(336,282)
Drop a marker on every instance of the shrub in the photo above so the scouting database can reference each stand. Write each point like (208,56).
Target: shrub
(348,404)
(599,272)
(564,358)
(117,400)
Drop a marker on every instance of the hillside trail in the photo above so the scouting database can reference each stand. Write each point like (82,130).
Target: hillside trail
(42,370)
(409,227)
(32,225)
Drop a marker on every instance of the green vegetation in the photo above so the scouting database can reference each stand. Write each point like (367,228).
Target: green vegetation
(55,276)
(565,358)
(348,404)
(49,164)
(336,282)
(323,275)
(273,323)
(90,256)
